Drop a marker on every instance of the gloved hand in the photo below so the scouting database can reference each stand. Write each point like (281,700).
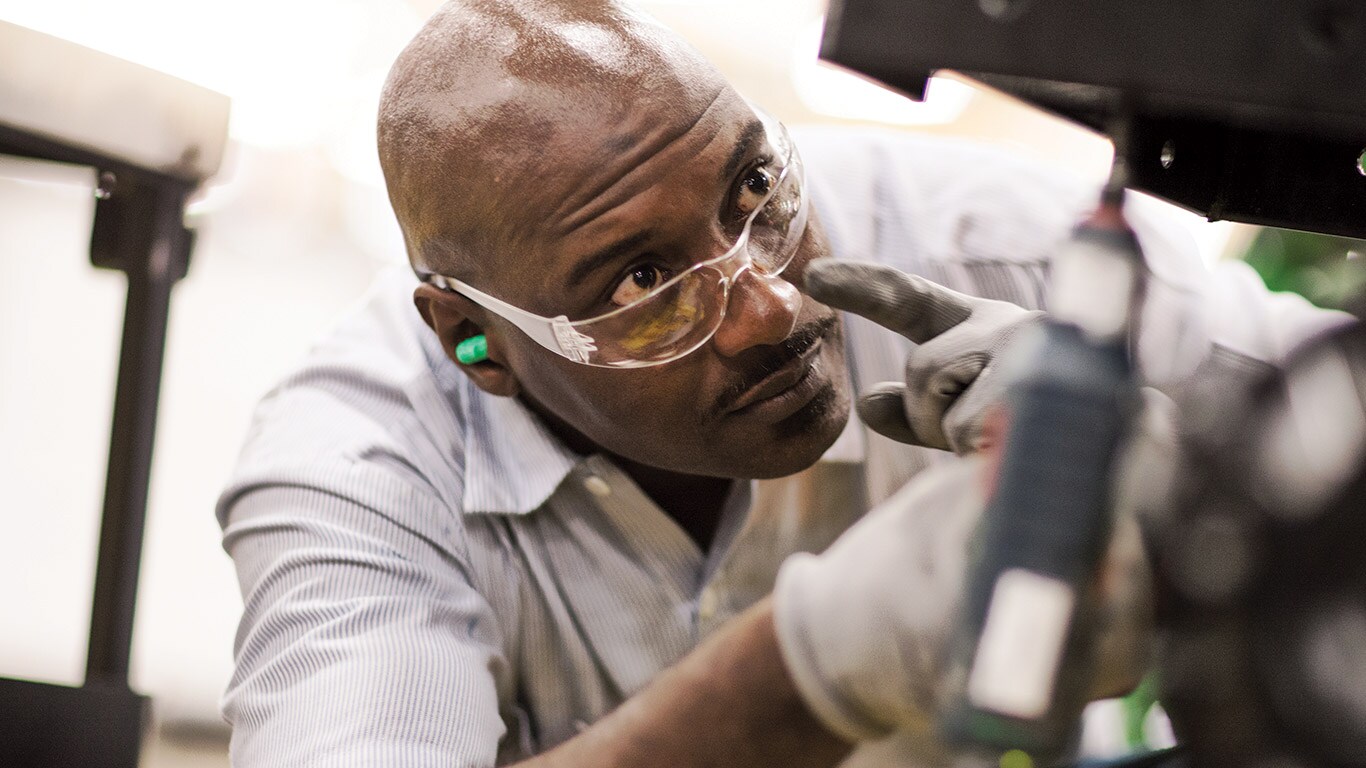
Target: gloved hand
(865,627)
(949,382)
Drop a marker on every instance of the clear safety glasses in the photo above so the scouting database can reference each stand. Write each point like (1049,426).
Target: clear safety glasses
(683,312)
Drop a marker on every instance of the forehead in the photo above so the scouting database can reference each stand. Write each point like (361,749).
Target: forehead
(641,152)
(599,182)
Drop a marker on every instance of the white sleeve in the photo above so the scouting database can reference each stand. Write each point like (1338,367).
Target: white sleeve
(1191,310)
(362,640)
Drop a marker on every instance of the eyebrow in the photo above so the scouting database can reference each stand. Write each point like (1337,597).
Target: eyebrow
(745,145)
(607,255)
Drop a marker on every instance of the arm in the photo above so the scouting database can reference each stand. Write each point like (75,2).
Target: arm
(729,702)
(363,642)
(852,647)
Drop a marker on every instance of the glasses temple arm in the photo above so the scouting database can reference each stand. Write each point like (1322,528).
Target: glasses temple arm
(540,329)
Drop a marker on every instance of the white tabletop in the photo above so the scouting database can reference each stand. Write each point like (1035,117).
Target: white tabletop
(92,101)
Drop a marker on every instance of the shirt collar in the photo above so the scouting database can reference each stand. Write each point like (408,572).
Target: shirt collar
(512,462)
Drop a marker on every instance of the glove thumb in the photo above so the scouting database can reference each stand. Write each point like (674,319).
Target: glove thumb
(883,409)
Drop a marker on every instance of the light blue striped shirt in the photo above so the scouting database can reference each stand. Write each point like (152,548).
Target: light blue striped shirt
(431,578)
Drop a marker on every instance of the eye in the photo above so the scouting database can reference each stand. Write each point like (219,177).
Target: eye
(754,187)
(638,283)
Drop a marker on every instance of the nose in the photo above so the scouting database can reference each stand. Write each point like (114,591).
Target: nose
(763,309)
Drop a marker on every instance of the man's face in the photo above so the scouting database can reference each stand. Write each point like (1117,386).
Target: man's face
(605,211)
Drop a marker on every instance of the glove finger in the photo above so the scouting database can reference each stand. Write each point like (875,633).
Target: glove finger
(933,387)
(966,415)
(910,305)
(883,409)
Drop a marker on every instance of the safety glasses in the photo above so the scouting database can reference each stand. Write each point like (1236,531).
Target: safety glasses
(680,313)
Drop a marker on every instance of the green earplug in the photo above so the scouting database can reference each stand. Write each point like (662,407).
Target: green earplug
(473,350)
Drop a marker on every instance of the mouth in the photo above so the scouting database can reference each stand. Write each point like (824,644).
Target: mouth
(789,387)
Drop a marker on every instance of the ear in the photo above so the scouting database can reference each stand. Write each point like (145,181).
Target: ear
(455,318)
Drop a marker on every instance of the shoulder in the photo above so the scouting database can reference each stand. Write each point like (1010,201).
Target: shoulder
(373,413)
(932,170)
(916,200)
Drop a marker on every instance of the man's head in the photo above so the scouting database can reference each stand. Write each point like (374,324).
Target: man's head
(521,141)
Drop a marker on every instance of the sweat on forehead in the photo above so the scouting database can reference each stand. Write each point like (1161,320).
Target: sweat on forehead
(476,105)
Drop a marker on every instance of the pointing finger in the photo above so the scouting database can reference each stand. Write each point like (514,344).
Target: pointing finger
(910,305)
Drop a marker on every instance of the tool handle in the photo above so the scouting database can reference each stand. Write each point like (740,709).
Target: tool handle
(1020,668)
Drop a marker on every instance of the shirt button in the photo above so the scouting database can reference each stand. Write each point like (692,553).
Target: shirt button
(707,604)
(597,486)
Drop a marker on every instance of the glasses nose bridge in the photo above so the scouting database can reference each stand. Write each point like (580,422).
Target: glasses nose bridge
(735,268)
(731,265)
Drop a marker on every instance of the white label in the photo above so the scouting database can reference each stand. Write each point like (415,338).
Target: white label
(1022,644)
(1093,288)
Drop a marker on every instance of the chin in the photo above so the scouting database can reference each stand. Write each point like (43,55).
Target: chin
(799,441)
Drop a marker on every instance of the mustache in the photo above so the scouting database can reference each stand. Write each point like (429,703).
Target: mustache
(766,360)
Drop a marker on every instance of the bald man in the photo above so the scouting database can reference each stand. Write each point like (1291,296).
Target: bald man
(538,519)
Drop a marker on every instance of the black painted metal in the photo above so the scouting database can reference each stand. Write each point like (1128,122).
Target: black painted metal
(98,725)
(1253,176)
(1264,103)
(138,229)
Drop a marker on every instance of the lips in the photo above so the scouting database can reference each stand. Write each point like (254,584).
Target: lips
(780,382)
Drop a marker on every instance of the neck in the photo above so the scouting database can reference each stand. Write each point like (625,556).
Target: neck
(692,501)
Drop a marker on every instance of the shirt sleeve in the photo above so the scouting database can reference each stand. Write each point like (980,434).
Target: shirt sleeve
(1193,311)
(362,641)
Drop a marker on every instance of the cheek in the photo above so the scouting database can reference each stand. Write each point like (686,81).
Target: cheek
(626,411)
(620,399)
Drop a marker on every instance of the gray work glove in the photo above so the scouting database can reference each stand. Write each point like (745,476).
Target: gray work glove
(949,382)
(865,627)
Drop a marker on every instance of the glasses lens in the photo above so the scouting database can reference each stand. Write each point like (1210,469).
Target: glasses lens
(777,230)
(663,326)
(682,314)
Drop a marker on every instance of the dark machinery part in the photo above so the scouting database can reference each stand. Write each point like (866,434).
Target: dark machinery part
(1248,111)
(138,230)
(1262,583)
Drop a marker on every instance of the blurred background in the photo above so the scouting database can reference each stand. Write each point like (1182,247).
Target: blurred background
(290,234)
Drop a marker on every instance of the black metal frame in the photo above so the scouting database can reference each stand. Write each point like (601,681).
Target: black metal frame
(1242,110)
(139,230)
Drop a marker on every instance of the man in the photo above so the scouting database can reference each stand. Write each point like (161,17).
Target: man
(547,551)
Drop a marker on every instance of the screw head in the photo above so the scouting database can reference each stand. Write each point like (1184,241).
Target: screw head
(1168,156)
(1002,10)
(105,185)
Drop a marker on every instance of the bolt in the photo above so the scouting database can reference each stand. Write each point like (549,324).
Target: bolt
(104,188)
(1168,156)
